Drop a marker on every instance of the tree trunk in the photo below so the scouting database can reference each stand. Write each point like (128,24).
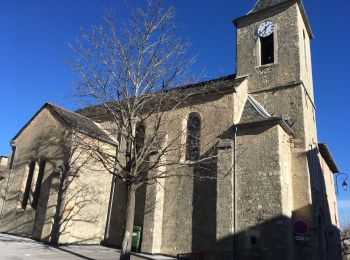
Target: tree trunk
(129,223)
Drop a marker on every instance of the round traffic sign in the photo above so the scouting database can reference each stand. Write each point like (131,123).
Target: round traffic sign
(301,228)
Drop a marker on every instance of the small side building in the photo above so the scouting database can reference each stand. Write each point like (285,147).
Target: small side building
(56,191)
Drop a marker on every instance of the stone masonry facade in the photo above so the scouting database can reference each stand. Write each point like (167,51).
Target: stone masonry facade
(270,168)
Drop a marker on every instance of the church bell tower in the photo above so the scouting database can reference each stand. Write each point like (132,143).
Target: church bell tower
(273,53)
(273,45)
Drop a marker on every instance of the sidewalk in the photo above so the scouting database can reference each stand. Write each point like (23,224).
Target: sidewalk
(19,248)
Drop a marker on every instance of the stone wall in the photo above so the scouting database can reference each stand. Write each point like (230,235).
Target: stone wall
(262,220)
(40,139)
(84,200)
(276,86)
(182,204)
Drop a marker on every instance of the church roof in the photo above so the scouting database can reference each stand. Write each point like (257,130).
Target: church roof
(264,4)
(253,111)
(74,121)
(80,123)
(327,156)
(254,114)
(183,92)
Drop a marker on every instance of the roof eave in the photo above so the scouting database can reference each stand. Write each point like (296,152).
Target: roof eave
(62,121)
(269,121)
(204,87)
(327,156)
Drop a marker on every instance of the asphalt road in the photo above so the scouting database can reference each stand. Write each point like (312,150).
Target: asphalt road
(19,248)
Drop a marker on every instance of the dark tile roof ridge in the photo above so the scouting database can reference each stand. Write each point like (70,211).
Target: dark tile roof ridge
(205,82)
(328,157)
(182,87)
(57,111)
(107,136)
(261,5)
(68,111)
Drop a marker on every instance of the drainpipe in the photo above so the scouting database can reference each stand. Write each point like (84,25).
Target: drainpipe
(8,180)
(234,207)
(109,213)
(111,196)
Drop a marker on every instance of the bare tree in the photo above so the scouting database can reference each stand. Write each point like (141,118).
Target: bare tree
(345,240)
(129,71)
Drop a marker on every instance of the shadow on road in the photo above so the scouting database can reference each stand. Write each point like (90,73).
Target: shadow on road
(10,244)
(74,253)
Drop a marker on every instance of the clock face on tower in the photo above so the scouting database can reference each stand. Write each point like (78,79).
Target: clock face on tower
(266,29)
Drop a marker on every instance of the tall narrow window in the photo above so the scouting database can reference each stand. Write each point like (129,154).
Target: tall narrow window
(12,157)
(38,183)
(34,179)
(267,49)
(193,137)
(28,186)
(139,137)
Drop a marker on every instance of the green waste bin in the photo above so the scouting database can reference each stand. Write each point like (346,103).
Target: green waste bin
(136,238)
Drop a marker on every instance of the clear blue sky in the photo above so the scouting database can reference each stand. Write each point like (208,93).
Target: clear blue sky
(34,37)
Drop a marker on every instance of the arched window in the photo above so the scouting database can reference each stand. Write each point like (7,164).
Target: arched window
(193,137)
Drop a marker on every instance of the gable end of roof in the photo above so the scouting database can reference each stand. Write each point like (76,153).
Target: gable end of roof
(73,121)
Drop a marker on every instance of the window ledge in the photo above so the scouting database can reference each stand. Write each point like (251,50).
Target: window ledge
(261,67)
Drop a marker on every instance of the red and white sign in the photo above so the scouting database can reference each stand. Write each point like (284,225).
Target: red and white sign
(301,228)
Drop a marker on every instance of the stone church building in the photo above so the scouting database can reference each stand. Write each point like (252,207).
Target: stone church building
(273,197)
